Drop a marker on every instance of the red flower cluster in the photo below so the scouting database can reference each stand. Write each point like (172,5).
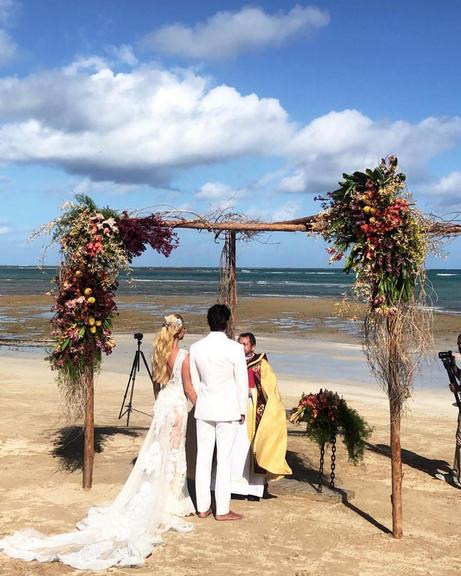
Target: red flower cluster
(96,245)
(137,233)
(322,405)
(327,416)
(82,323)
(368,218)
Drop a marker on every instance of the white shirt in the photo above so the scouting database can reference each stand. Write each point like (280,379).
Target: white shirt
(220,378)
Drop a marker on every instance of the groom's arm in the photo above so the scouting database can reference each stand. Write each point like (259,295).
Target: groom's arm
(241,381)
(193,370)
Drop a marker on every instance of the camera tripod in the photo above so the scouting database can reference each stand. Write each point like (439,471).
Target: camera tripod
(448,361)
(127,407)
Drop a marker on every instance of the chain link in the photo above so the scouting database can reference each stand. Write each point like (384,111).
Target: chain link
(333,460)
(322,458)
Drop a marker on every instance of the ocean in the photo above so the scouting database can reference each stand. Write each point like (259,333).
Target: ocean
(444,286)
(28,320)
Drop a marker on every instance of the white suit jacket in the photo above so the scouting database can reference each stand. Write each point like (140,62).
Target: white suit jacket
(219,375)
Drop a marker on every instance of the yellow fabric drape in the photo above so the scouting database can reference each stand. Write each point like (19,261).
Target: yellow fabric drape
(270,441)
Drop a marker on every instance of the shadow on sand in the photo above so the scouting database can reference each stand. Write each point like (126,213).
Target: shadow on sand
(68,443)
(412,459)
(306,471)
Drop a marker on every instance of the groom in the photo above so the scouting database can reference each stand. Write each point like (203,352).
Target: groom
(219,376)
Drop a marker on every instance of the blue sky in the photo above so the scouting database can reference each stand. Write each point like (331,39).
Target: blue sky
(203,105)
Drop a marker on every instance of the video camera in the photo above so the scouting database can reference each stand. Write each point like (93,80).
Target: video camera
(138,336)
(448,361)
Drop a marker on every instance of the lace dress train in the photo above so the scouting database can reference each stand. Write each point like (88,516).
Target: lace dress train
(153,499)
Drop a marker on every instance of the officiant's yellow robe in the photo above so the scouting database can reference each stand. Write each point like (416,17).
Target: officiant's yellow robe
(269,441)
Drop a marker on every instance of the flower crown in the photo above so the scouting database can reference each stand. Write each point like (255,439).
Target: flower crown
(172,321)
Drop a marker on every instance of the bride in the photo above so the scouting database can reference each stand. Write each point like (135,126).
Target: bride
(154,498)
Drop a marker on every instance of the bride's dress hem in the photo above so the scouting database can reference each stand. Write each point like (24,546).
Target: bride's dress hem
(154,499)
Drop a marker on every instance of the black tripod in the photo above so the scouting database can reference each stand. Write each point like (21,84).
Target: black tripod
(127,408)
(449,362)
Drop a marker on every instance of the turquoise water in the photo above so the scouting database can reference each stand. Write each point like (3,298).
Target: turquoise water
(444,285)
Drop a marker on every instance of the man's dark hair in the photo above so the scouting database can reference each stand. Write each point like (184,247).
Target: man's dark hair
(218,317)
(250,336)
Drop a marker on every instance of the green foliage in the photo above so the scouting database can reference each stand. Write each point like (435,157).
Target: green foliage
(327,415)
(370,223)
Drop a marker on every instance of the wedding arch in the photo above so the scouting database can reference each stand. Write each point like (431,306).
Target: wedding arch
(369,220)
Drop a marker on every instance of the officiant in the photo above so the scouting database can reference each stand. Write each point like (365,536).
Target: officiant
(260,448)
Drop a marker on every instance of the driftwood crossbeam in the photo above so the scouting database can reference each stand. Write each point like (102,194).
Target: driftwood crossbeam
(306,224)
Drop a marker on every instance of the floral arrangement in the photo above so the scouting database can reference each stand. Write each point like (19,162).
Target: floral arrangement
(370,217)
(327,415)
(96,244)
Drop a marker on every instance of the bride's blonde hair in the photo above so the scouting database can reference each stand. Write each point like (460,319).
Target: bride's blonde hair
(163,345)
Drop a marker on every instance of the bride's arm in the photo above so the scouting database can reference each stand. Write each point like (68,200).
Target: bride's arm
(156,386)
(187,382)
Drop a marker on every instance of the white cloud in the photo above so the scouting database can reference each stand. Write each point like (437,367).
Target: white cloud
(8,48)
(8,9)
(295,182)
(147,125)
(227,34)
(447,190)
(348,140)
(219,195)
(89,188)
(88,65)
(122,54)
(287,211)
(4,227)
(135,127)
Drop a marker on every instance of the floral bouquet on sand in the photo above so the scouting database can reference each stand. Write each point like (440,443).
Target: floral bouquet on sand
(327,415)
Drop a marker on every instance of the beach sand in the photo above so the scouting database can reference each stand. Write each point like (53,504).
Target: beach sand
(286,535)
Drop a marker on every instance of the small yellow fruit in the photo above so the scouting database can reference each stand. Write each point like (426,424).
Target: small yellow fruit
(88,291)
(372,220)
(91,300)
(367,209)
(78,273)
(98,323)
(91,321)
(93,329)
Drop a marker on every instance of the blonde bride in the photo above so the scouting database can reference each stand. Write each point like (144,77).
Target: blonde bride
(154,498)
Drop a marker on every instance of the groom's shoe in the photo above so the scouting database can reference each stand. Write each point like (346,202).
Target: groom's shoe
(204,514)
(229,516)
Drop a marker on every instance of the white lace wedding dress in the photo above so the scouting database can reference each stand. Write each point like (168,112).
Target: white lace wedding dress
(154,499)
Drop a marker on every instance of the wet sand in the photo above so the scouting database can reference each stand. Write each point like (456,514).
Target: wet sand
(26,318)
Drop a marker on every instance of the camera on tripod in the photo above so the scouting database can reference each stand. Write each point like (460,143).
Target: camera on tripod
(127,402)
(447,358)
(448,361)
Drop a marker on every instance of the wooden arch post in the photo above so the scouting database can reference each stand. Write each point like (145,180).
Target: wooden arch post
(394,430)
(228,280)
(88,452)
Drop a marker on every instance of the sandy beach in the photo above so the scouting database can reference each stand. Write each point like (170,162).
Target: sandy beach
(290,534)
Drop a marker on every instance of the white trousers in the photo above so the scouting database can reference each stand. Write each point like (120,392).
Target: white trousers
(223,435)
(245,481)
